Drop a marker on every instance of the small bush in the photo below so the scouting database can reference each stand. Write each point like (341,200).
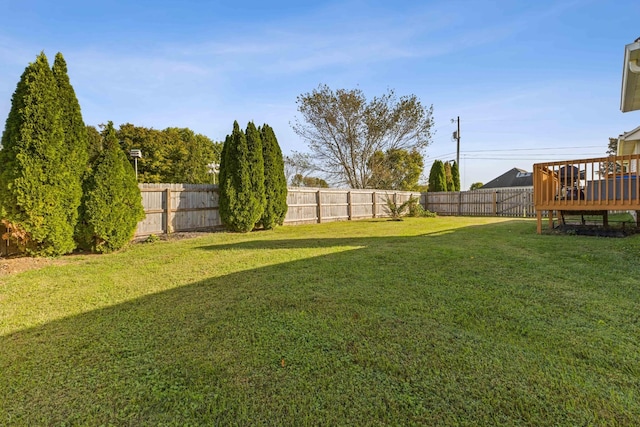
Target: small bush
(152,238)
(417,211)
(397,212)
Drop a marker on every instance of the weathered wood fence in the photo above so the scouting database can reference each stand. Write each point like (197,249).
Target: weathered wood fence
(178,207)
(513,202)
(316,205)
(193,207)
(190,207)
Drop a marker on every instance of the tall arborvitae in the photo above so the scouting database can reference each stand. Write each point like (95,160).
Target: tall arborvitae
(75,138)
(455,172)
(437,178)
(223,199)
(448,177)
(112,200)
(94,144)
(256,168)
(240,209)
(275,182)
(34,178)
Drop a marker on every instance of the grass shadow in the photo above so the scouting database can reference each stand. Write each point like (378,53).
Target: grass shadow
(430,329)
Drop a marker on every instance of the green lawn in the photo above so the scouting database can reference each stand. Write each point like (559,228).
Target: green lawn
(445,321)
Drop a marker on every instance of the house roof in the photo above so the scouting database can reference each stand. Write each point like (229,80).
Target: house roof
(512,178)
(630,96)
(631,135)
(627,142)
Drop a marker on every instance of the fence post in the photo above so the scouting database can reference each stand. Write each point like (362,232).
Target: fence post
(495,203)
(349,208)
(373,204)
(167,225)
(318,198)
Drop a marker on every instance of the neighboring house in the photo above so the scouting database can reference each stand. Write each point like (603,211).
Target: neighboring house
(629,143)
(630,97)
(514,178)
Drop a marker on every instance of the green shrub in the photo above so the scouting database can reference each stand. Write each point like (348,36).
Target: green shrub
(241,187)
(275,182)
(152,238)
(112,200)
(395,211)
(39,193)
(417,211)
(437,177)
(76,139)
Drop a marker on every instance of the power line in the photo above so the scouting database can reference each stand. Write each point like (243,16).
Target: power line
(532,149)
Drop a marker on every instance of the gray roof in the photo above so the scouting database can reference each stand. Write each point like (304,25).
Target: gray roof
(512,178)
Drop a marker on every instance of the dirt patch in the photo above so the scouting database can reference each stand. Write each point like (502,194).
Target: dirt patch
(174,236)
(15,265)
(18,264)
(598,231)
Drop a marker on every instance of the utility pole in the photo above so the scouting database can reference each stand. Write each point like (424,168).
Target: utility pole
(456,136)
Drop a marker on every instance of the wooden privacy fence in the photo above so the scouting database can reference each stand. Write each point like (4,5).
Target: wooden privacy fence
(510,202)
(178,207)
(191,207)
(314,205)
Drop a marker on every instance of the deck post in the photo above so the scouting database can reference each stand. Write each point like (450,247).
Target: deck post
(539,222)
(550,219)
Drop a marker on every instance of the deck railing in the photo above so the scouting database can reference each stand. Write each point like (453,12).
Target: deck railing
(598,184)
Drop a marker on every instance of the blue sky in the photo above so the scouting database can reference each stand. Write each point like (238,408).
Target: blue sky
(531,80)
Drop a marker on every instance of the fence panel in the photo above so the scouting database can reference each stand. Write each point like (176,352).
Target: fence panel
(334,205)
(512,202)
(302,206)
(361,204)
(178,207)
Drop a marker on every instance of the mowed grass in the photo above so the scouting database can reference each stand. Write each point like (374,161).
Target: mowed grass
(445,321)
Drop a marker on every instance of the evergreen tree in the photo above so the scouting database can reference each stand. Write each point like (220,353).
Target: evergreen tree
(223,199)
(275,182)
(94,144)
(448,176)
(35,181)
(75,159)
(437,178)
(240,203)
(455,172)
(112,199)
(256,168)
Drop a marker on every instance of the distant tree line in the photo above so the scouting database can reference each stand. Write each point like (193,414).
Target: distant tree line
(171,155)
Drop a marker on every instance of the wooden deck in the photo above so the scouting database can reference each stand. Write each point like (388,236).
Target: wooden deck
(593,186)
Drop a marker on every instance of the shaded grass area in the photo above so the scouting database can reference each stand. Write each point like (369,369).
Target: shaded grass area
(446,321)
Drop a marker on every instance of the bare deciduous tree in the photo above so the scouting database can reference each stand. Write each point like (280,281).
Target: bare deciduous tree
(344,131)
(297,163)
